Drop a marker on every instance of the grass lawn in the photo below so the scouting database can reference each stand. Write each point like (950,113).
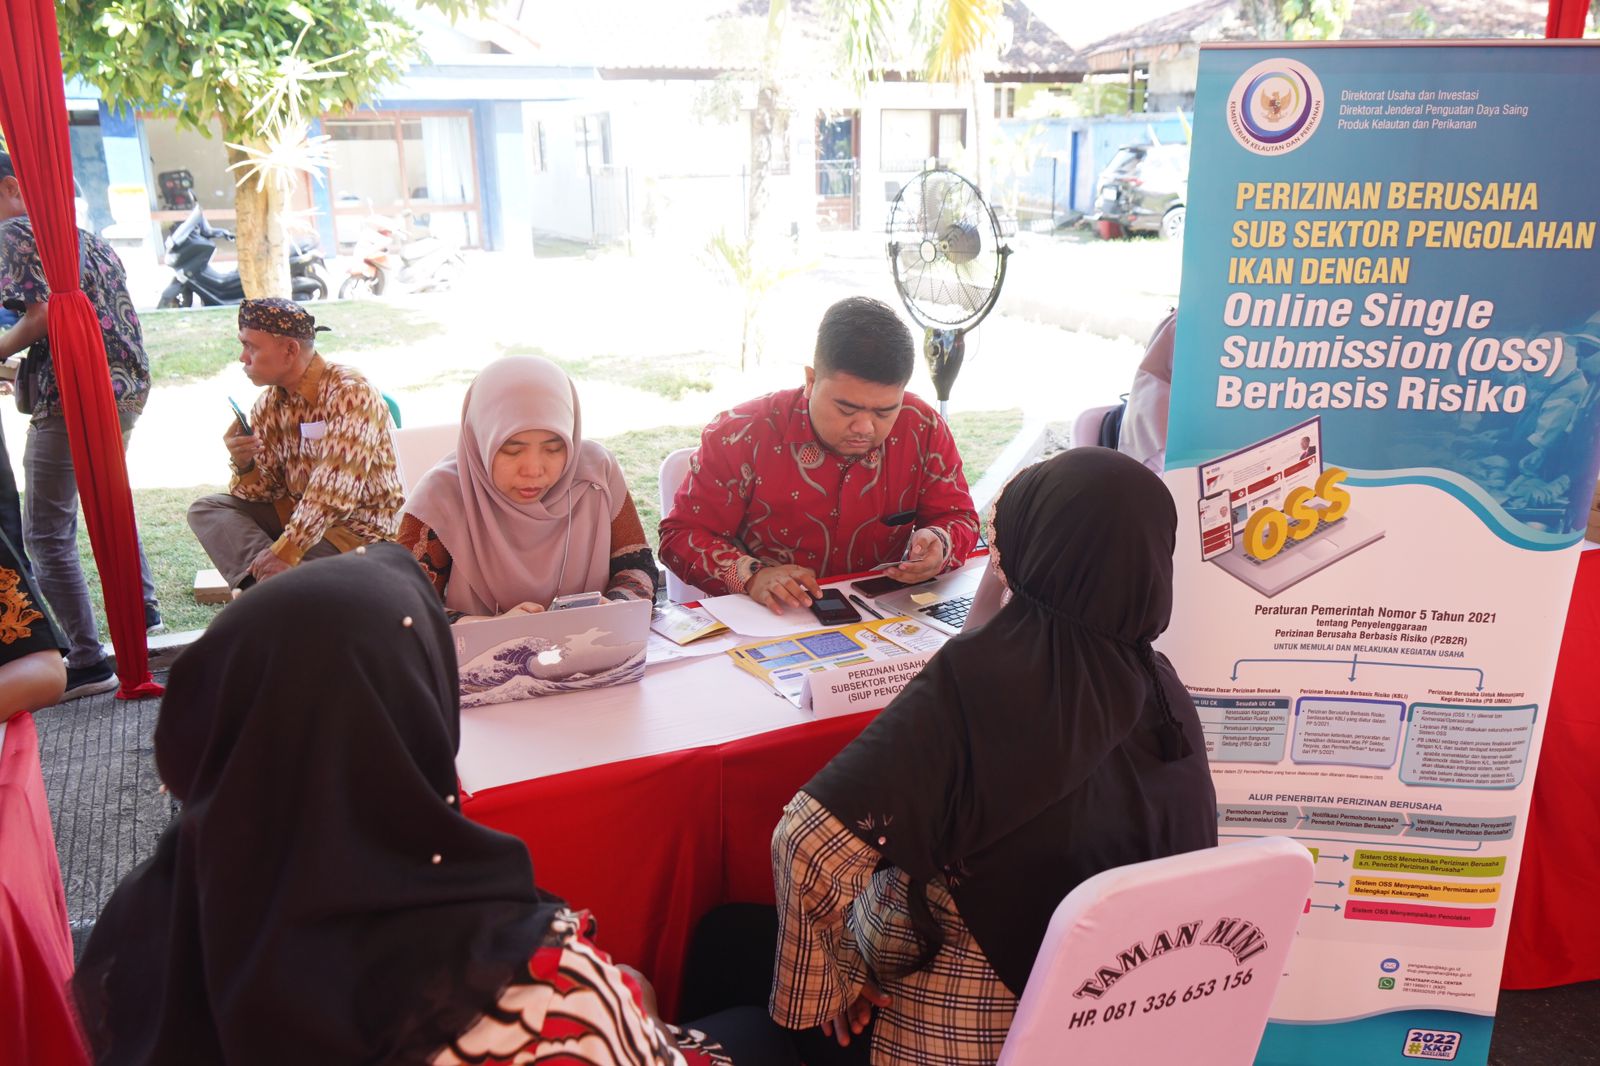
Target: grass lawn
(175,555)
(194,344)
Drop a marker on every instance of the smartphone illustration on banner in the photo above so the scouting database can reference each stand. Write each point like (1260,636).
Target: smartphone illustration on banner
(1216,525)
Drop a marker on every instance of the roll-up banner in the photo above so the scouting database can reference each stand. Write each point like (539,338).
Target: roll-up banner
(1383,450)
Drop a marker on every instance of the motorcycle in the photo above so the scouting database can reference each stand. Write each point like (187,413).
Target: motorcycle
(190,248)
(389,258)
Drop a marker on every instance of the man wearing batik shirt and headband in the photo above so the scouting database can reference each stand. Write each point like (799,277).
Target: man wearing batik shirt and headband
(838,477)
(314,473)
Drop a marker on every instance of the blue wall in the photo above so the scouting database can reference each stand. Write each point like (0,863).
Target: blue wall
(1073,151)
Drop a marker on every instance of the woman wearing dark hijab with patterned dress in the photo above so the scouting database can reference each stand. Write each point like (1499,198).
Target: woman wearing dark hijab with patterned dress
(916,873)
(320,897)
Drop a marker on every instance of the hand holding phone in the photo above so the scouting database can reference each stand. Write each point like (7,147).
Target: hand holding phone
(873,587)
(832,609)
(244,423)
(780,587)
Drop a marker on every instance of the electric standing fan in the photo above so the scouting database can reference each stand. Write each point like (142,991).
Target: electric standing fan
(948,262)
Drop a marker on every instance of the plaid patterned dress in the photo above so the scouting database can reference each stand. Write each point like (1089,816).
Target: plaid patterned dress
(842,919)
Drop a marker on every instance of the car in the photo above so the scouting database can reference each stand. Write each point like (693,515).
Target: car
(1143,190)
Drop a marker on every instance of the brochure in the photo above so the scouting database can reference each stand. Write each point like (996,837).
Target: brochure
(786,662)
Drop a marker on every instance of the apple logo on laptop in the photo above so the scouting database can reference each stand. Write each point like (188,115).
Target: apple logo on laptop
(550,657)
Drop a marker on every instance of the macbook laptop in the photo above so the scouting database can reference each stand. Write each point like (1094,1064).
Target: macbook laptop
(529,655)
(943,603)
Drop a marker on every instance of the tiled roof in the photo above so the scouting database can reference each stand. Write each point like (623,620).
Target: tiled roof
(1221,20)
(711,36)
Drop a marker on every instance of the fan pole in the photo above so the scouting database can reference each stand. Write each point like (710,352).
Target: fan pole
(944,349)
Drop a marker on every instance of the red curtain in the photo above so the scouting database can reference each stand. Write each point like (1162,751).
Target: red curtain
(33,113)
(1566,18)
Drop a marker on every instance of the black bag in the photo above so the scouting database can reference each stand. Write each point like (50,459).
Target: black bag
(26,387)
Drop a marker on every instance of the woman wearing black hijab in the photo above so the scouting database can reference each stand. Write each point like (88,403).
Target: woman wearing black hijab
(917,872)
(321,898)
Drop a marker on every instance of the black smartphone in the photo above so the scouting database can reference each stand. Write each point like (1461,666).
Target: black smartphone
(244,423)
(832,609)
(873,587)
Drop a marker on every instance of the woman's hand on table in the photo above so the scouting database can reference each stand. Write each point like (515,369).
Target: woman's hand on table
(854,1018)
(521,608)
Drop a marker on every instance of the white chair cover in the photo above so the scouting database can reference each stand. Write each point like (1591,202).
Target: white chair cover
(1170,961)
(674,468)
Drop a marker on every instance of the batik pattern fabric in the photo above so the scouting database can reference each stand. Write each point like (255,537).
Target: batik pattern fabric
(104,282)
(25,627)
(633,567)
(325,447)
(573,1005)
(278,316)
(762,491)
(843,917)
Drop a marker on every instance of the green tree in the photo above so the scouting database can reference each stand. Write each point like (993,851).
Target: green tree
(258,67)
(938,40)
(1297,20)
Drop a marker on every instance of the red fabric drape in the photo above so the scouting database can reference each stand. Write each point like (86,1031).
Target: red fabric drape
(1555,925)
(1566,18)
(37,1021)
(33,113)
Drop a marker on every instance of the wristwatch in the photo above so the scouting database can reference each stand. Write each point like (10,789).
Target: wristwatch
(241,471)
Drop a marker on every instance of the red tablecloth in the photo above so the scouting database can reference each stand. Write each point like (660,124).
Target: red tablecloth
(650,845)
(37,1023)
(1555,925)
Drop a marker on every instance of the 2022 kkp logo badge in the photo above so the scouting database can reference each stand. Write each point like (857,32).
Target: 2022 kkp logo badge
(1275,106)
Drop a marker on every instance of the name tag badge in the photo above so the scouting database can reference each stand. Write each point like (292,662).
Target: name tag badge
(313,430)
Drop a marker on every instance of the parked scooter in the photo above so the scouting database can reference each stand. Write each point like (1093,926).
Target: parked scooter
(389,259)
(189,251)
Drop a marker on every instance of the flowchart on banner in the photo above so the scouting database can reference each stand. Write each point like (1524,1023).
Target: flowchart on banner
(1356,662)
(1455,745)
(1404,882)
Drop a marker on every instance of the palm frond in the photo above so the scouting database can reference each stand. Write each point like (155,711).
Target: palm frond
(962,32)
(866,30)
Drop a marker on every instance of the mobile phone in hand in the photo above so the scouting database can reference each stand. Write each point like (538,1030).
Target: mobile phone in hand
(873,587)
(832,609)
(244,423)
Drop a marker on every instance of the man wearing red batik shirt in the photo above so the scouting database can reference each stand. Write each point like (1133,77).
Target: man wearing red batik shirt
(834,478)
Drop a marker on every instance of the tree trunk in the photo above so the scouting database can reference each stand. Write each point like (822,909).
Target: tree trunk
(981,94)
(263,239)
(764,123)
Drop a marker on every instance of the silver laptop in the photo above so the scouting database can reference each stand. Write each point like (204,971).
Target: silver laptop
(532,655)
(951,601)
(1262,475)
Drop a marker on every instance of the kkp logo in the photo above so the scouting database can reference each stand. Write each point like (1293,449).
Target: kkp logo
(1275,106)
(1431,1044)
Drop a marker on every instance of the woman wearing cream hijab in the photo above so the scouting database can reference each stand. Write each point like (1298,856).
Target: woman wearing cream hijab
(525,510)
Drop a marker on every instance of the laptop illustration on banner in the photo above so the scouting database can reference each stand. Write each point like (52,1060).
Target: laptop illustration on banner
(523,656)
(1237,485)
